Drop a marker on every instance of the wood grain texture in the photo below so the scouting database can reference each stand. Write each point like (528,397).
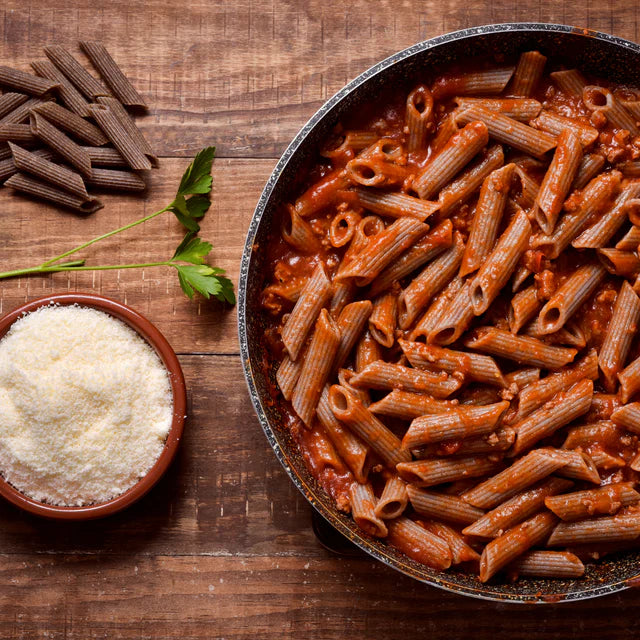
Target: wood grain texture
(222,546)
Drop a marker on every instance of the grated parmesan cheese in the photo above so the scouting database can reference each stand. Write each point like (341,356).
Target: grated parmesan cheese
(85,406)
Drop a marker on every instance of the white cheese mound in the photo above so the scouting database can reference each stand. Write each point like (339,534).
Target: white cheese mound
(85,406)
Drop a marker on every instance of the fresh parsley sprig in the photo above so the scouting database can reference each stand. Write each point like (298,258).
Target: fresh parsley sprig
(190,205)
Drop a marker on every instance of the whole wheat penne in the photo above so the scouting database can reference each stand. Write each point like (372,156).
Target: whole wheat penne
(633,107)
(563,408)
(507,547)
(344,379)
(602,406)
(342,142)
(343,294)
(60,143)
(67,93)
(354,453)
(461,189)
(499,265)
(524,306)
(589,167)
(351,322)
(363,509)
(343,226)
(454,319)
(479,395)
(528,73)
(547,564)
(618,528)
(457,153)
(447,127)
(386,375)
(629,168)
(117,134)
(603,460)
(349,410)
(429,282)
(325,455)
(619,262)
(112,74)
(120,180)
(10,101)
(629,380)
(460,550)
(537,393)
(40,189)
(21,133)
(628,416)
(382,249)
(603,431)
(598,234)
(523,109)
(570,297)
(486,219)
(585,504)
(521,474)
(510,131)
(314,296)
(498,441)
(518,508)
(557,181)
(105,156)
(418,117)
(602,100)
(71,123)
(418,543)
(442,507)
(407,405)
(577,464)
(7,169)
(382,321)
(297,232)
(287,376)
(520,276)
(459,423)
(377,168)
(368,350)
(556,124)
(621,330)
(55,174)
(521,378)
(635,463)
(595,195)
(396,205)
(26,82)
(427,473)
(526,188)
(20,114)
(322,193)
(427,248)
(472,365)
(429,320)
(630,241)
(393,499)
(482,82)
(75,72)
(569,81)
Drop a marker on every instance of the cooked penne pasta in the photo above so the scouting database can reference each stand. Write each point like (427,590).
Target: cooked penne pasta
(618,528)
(351,322)
(427,473)
(523,109)
(436,309)
(547,564)
(453,321)
(485,81)
(419,117)
(382,321)
(460,550)
(297,232)
(620,263)
(396,205)
(393,500)
(629,380)
(556,124)
(570,81)
(630,241)
(577,464)
(363,509)
(407,405)
(419,544)
(628,416)
(585,504)
(589,167)
(442,507)
(528,73)
(603,101)
(524,306)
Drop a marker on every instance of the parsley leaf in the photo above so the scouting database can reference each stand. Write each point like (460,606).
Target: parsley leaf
(207,281)
(192,250)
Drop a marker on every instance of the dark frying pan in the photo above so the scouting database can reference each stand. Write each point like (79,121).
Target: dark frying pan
(601,54)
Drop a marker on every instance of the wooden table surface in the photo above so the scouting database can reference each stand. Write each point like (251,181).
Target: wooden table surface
(222,547)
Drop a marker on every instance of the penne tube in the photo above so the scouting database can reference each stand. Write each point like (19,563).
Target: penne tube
(21,133)
(603,101)
(597,193)
(457,424)
(322,193)
(418,117)
(619,262)
(556,124)
(598,234)
(427,473)
(382,321)
(472,365)
(520,276)
(325,456)
(528,73)
(430,246)
(363,509)
(381,250)
(523,109)
(393,500)
(429,320)
(455,155)
(66,91)
(381,165)
(319,360)
(557,180)
(486,219)
(442,506)
(26,82)
(569,297)
(386,375)
(506,548)
(521,474)
(524,306)
(603,460)
(621,330)
(359,420)
(454,319)
(419,544)
(499,265)
(482,82)
(461,189)
(630,241)
(344,379)
(72,123)
(396,205)
(522,378)
(547,564)
(629,168)
(429,282)
(562,409)
(606,500)
(297,232)
(510,131)
(628,416)
(589,167)
(527,192)
(629,379)
(569,81)
(602,406)
(603,431)
(368,351)
(406,405)
(314,297)
(343,226)
(577,464)
(120,180)
(287,376)
(618,528)
(105,156)
(75,72)
(354,453)
(21,113)
(447,128)
(351,323)
(460,550)
(349,141)
(496,442)
(9,102)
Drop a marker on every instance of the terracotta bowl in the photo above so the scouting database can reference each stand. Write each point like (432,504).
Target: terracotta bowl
(598,53)
(166,354)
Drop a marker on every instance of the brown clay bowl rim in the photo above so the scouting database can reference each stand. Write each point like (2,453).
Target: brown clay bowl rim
(146,330)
